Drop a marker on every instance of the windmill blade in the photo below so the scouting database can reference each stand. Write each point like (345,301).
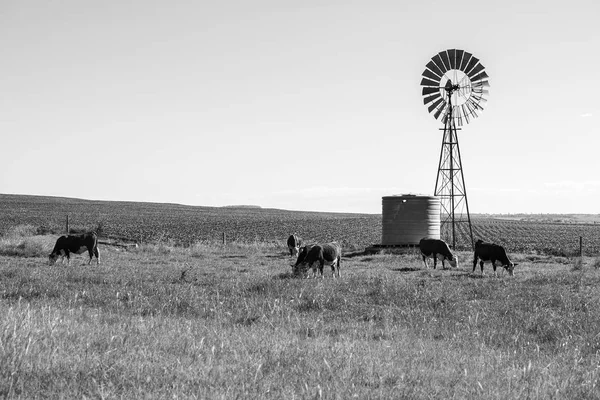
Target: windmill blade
(431,98)
(436,103)
(428,74)
(459,56)
(444,56)
(429,82)
(452,57)
(465,60)
(477,69)
(474,106)
(472,62)
(479,77)
(438,62)
(479,99)
(434,68)
(440,110)
(430,89)
(479,89)
(479,86)
(457,114)
(465,113)
(469,109)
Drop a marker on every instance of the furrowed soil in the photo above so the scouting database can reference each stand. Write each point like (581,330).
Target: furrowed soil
(185,225)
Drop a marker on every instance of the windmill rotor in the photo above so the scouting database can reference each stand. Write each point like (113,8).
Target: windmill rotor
(454,84)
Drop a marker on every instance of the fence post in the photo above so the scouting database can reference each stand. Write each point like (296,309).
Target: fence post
(67,225)
(224,239)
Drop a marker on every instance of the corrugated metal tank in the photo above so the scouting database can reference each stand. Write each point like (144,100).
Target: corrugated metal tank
(407,218)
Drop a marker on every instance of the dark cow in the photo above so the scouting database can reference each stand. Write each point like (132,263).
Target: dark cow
(492,252)
(294,242)
(436,248)
(328,253)
(78,244)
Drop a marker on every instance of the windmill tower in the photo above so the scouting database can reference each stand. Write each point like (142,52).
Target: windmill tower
(454,91)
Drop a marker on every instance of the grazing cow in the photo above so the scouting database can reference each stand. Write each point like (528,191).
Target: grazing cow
(294,242)
(492,252)
(78,244)
(328,253)
(437,248)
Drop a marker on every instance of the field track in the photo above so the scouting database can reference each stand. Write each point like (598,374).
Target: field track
(184,225)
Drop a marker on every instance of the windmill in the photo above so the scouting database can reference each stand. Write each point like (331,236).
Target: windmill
(454,91)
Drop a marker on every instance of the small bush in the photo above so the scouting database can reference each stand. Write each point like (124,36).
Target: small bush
(24,247)
(20,231)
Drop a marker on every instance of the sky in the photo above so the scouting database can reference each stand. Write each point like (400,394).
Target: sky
(299,105)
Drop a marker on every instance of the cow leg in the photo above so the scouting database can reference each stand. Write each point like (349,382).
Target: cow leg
(474,263)
(339,264)
(425,261)
(443,265)
(481,266)
(314,270)
(494,268)
(434,261)
(321,264)
(97,254)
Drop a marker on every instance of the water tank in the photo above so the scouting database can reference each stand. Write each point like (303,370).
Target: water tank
(407,218)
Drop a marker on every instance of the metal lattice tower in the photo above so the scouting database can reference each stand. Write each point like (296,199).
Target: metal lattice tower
(450,187)
(454,89)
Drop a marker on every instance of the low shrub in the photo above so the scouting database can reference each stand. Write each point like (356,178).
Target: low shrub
(35,246)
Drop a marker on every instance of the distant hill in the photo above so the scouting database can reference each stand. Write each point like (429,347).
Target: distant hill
(241,206)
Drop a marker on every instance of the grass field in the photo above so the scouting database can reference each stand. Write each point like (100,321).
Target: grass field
(184,316)
(213,321)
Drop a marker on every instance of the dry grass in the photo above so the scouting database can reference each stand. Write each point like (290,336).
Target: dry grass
(214,321)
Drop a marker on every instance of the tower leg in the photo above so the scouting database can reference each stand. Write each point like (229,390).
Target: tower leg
(456,228)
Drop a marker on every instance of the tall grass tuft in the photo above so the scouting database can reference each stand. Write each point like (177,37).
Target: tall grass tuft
(578,264)
(15,342)
(23,241)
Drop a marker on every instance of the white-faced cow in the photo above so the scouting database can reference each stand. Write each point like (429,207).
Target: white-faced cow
(293,243)
(328,253)
(436,248)
(492,252)
(78,244)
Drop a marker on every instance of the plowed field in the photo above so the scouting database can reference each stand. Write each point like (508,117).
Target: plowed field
(183,225)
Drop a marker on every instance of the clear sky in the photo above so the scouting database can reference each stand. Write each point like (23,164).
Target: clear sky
(300,105)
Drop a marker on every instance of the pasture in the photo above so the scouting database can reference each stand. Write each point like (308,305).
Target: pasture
(230,321)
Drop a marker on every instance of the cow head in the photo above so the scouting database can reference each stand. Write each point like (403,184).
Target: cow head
(295,251)
(510,268)
(52,258)
(454,261)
